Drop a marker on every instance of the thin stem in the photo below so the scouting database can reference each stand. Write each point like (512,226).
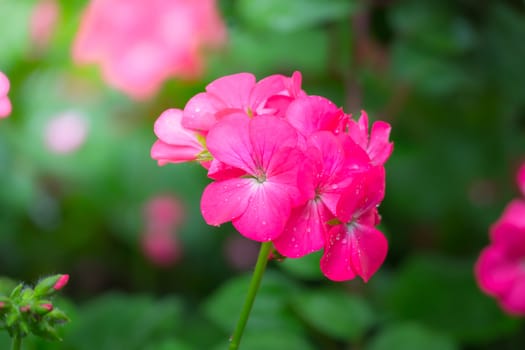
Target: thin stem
(17,342)
(260,266)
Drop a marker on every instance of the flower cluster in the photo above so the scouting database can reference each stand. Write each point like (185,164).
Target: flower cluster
(287,167)
(29,310)
(500,269)
(141,43)
(5,103)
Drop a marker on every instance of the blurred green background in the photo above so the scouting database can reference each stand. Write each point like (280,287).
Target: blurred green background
(448,75)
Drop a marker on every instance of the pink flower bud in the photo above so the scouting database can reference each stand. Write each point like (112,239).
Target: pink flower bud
(47,306)
(25,308)
(61,282)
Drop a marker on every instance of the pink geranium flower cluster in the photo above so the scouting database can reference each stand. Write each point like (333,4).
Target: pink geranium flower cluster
(141,43)
(500,269)
(5,103)
(287,167)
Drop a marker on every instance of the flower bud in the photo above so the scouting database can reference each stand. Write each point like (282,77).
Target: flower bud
(43,308)
(49,285)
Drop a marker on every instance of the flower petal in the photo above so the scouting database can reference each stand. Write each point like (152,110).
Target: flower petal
(494,272)
(313,113)
(379,147)
(164,153)
(267,212)
(223,201)
(305,230)
(169,129)
(233,90)
(356,250)
(229,142)
(268,135)
(364,193)
(199,113)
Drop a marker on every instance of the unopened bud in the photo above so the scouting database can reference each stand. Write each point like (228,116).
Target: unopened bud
(25,308)
(61,282)
(43,308)
(51,284)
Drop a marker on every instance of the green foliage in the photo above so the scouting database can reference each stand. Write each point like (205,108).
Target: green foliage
(335,313)
(442,294)
(410,336)
(293,14)
(118,321)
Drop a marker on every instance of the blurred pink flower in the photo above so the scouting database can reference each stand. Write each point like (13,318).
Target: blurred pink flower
(500,269)
(5,103)
(66,132)
(43,22)
(160,247)
(163,214)
(141,43)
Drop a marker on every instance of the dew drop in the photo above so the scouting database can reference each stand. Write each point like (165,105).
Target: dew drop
(264,222)
(344,241)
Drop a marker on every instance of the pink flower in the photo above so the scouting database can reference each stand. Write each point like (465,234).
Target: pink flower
(355,246)
(43,22)
(500,269)
(66,132)
(176,144)
(520,177)
(5,104)
(376,145)
(259,202)
(140,43)
(233,94)
(325,172)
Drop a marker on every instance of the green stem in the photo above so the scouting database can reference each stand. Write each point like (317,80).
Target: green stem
(17,342)
(260,266)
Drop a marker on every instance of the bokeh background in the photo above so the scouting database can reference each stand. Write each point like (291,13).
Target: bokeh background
(449,75)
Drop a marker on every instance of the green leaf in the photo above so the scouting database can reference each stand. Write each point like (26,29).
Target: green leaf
(442,294)
(335,313)
(264,340)
(269,310)
(292,14)
(410,337)
(306,267)
(118,321)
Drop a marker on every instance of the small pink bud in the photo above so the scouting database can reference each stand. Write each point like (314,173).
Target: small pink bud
(25,308)
(61,282)
(47,306)
(2,304)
